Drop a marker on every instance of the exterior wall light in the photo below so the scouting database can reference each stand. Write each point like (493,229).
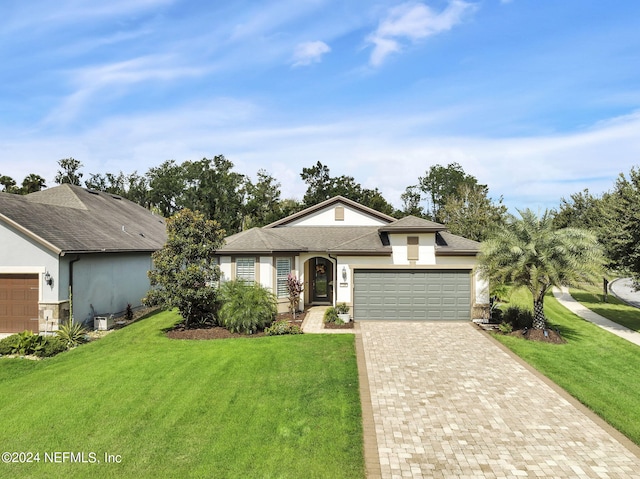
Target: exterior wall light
(344,273)
(48,279)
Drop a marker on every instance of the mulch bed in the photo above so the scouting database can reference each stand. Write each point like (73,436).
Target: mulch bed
(551,336)
(348,325)
(544,335)
(216,332)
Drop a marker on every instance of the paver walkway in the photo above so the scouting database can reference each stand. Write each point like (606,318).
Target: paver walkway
(448,402)
(313,322)
(565,299)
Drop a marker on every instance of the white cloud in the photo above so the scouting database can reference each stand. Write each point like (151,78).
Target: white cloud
(534,171)
(113,79)
(413,21)
(309,52)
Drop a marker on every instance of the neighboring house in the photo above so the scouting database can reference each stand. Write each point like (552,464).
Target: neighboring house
(68,238)
(345,252)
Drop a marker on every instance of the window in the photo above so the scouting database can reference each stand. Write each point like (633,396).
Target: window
(283,268)
(413,245)
(246,269)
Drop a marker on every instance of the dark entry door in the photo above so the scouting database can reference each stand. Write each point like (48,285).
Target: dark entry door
(322,280)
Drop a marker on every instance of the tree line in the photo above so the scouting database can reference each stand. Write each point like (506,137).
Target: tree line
(219,192)
(444,194)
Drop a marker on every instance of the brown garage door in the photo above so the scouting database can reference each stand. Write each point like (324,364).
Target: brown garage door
(18,303)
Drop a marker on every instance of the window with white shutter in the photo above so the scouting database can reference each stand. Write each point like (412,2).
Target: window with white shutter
(246,269)
(283,268)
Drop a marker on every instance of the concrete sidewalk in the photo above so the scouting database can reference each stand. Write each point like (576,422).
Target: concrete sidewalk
(565,299)
(313,322)
(624,289)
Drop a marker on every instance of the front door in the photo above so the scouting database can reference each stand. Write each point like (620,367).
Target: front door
(322,280)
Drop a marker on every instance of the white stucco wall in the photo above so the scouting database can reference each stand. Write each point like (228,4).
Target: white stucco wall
(426,248)
(326,217)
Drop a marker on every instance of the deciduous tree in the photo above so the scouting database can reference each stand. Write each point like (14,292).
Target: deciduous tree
(471,213)
(322,186)
(441,183)
(186,272)
(69,172)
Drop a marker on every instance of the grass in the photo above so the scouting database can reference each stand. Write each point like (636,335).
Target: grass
(265,407)
(614,309)
(596,367)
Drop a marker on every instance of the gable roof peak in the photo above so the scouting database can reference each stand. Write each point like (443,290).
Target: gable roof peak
(327,203)
(62,195)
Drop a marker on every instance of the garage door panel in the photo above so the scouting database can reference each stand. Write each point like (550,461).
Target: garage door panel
(412,295)
(18,302)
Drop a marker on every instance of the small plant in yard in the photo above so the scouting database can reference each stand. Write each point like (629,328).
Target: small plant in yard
(342,308)
(294,288)
(505,328)
(128,313)
(26,343)
(52,345)
(331,316)
(282,327)
(246,307)
(6,344)
(72,334)
(517,317)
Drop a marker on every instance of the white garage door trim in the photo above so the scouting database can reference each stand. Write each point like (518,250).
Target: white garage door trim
(414,295)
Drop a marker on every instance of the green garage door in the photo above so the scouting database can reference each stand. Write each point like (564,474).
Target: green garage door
(412,295)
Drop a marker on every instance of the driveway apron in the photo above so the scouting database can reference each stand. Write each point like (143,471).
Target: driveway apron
(448,401)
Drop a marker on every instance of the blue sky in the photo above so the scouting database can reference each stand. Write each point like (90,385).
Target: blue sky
(537,99)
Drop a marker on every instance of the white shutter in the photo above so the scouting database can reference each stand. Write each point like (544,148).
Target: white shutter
(246,269)
(283,268)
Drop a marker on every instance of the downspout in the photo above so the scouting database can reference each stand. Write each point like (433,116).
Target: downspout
(71,286)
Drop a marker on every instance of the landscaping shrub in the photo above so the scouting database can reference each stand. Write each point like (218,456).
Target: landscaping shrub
(72,334)
(6,344)
(246,307)
(518,318)
(282,327)
(26,343)
(52,345)
(331,316)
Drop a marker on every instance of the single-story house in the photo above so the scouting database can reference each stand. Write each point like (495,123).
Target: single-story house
(66,239)
(344,252)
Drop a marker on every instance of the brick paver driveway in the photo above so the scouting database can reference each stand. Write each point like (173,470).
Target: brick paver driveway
(447,401)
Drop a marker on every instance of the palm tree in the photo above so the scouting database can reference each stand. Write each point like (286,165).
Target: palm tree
(33,183)
(528,251)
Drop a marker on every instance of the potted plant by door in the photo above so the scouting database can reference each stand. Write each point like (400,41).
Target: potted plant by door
(343,312)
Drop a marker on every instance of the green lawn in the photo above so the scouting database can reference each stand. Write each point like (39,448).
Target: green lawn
(597,367)
(614,309)
(264,407)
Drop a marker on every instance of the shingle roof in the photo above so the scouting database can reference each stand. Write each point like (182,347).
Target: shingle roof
(450,244)
(413,224)
(352,240)
(71,219)
(333,239)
